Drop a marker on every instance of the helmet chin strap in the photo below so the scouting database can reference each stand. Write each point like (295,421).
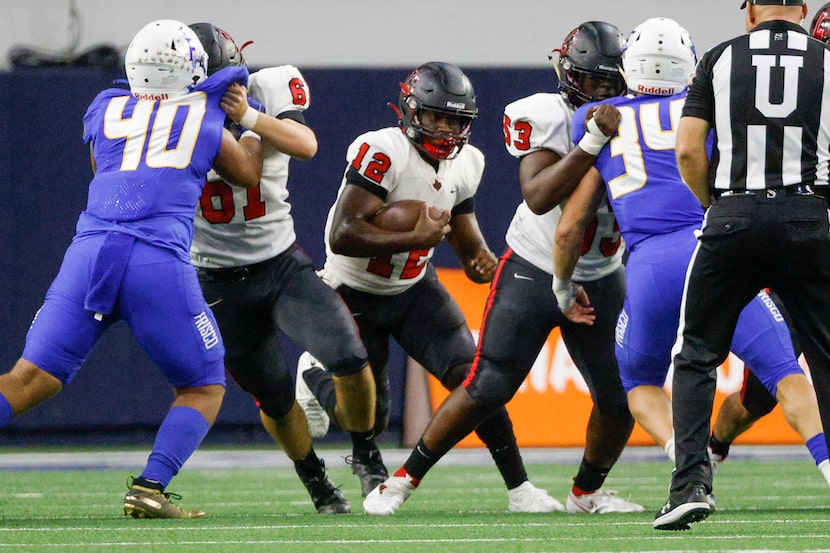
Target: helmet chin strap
(396,110)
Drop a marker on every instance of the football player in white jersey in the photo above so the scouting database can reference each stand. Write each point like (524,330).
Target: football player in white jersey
(522,309)
(257,279)
(385,276)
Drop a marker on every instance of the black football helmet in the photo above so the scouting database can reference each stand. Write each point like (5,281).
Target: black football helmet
(820,27)
(594,48)
(443,88)
(221,49)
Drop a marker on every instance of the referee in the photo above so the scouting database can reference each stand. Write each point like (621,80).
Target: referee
(764,94)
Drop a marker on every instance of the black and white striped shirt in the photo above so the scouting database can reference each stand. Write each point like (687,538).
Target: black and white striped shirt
(767,95)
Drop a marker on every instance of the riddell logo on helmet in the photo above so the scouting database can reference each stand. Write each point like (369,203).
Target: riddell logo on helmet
(655,90)
(456,105)
(147,96)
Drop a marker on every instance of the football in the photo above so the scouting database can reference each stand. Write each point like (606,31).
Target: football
(402,215)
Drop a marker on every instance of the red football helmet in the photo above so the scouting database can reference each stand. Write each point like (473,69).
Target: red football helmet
(820,27)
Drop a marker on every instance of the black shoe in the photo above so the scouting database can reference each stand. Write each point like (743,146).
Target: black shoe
(327,499)
(370,469)
(691,504)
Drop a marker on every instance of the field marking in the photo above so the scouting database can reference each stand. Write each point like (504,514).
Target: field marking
(548,523)
(403,541)
(207,458)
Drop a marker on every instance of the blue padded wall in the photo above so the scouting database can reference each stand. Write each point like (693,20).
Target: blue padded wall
(44,167)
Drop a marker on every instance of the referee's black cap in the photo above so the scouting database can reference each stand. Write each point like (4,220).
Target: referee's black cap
(773,3)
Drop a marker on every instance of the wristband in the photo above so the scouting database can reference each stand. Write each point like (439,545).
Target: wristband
(564,292)
(250,118)
(593,141)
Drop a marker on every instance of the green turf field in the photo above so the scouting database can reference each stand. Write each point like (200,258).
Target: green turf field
(775,505)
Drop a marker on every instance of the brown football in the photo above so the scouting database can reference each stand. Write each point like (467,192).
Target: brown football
(402,215)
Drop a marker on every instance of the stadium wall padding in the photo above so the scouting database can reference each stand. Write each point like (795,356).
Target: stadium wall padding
(45,170)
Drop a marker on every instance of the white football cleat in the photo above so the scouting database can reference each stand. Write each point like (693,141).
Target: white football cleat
(824,469)
(601,502)
(527,498)
(387,498)
(318,419)
(715,460)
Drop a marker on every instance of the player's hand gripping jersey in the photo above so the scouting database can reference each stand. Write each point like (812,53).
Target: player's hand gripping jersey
(151,158)
(642,181)
(543,122)
(387,164)
(237,227)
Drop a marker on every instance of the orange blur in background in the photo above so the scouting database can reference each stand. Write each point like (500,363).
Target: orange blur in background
(552,406)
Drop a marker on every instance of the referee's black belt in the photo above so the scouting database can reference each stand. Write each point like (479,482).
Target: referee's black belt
(234,273)
(792,190)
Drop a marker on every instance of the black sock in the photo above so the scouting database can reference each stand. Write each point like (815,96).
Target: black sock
(363,444)
(420,461)
(590,478)
(309,466)
(509,462)
(147,483)
(496,431)
(719,447)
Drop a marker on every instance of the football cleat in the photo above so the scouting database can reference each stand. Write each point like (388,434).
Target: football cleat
(371,471)
(318,419)
(824,469)
(527,498)
(388,497)
(141,502)
(600,502)
(327,499)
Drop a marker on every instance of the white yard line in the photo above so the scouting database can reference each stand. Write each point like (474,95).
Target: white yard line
(207,458)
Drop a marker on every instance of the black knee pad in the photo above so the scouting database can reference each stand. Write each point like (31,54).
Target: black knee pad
(455,376)
(616,408)
(493,390)
(277,405)
(755,397)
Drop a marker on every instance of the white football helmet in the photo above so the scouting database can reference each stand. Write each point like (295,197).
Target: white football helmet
(658,58)
(165,59)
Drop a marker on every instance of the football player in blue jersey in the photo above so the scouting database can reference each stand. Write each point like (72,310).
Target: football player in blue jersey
(151,148)
(658,216)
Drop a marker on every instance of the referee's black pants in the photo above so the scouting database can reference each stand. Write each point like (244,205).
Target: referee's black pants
(748,242)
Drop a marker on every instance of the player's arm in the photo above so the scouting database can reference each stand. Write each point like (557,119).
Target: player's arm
(284,135)
(577,214)
(468,242)
(692,160)
(353,234)
(239,163)
(547,178)
(288,136)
